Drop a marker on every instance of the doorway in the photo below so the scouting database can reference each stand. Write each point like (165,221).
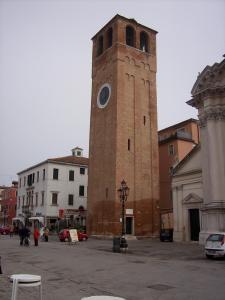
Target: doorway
(194,224)
(129,225)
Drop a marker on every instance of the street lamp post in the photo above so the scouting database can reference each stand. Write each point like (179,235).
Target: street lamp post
(123,192)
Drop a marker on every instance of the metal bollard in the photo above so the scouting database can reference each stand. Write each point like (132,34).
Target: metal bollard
(123,245)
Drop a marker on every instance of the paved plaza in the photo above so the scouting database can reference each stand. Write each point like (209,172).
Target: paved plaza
(150,270)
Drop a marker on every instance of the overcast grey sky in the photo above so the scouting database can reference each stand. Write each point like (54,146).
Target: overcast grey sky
(45,68)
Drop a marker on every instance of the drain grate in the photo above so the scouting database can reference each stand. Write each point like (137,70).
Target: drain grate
(160,287)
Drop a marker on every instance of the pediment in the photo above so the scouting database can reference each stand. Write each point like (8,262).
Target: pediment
(211,77)
(190,163)
(192,198)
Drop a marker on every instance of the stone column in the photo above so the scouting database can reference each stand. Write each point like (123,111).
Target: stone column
(209,98)
(212,120)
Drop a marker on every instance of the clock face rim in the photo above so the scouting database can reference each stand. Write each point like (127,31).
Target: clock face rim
(99,92)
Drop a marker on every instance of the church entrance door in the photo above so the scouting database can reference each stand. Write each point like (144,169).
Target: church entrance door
(194,224)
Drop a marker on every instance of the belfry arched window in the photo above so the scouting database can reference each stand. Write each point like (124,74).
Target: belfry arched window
(100,45)
(144,44)
(109,35)
(130,36)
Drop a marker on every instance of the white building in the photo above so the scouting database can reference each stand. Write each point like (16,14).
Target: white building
(198,182)
(188,197)
(55,188)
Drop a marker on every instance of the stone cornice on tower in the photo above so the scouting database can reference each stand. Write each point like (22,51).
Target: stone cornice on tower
(131,21)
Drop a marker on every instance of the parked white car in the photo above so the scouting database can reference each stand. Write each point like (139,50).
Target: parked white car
(215,245)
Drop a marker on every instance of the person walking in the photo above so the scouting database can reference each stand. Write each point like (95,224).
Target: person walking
(36,236)
(46,232)
(21,234)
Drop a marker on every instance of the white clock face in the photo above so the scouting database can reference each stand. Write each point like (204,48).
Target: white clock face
(104,95)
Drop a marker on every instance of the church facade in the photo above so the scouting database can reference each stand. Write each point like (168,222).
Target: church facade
(205,166)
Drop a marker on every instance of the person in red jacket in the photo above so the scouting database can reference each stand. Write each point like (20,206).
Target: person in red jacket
(36,236)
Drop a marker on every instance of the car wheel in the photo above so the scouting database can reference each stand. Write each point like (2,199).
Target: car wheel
(209,256)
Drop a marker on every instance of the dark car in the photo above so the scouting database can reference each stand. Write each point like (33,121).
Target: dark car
(64,235)
(4,230)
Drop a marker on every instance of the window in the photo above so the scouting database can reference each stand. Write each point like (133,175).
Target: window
(109,37)
(130,41)
(23,200)
(54,198)
(24,181)
(37,176)
(81,190)
(171,171)
(144,120)
(42,198)
(55,173)
(71,175)
(20,182)
(36,199)
(171,149)
(100,45)
(30,179)
(128,145)
(144,41)
(70,199)
(32,198)
(82,171)
(43,174)
(33,177)
(19,202)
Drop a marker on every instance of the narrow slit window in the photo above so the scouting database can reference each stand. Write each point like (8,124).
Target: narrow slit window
(128,144)
(144,120)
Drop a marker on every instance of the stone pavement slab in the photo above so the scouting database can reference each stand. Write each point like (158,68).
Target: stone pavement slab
(150,270)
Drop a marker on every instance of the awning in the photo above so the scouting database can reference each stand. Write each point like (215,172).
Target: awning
(39,219)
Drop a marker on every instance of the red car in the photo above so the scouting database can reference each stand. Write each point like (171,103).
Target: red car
(64,235)
(4,230)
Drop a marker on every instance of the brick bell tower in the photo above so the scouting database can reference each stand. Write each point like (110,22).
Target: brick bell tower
(123,130)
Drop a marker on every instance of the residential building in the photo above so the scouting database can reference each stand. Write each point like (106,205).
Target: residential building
(55,189)
(123,130)
(8,203)
(175,142)
(198,182)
